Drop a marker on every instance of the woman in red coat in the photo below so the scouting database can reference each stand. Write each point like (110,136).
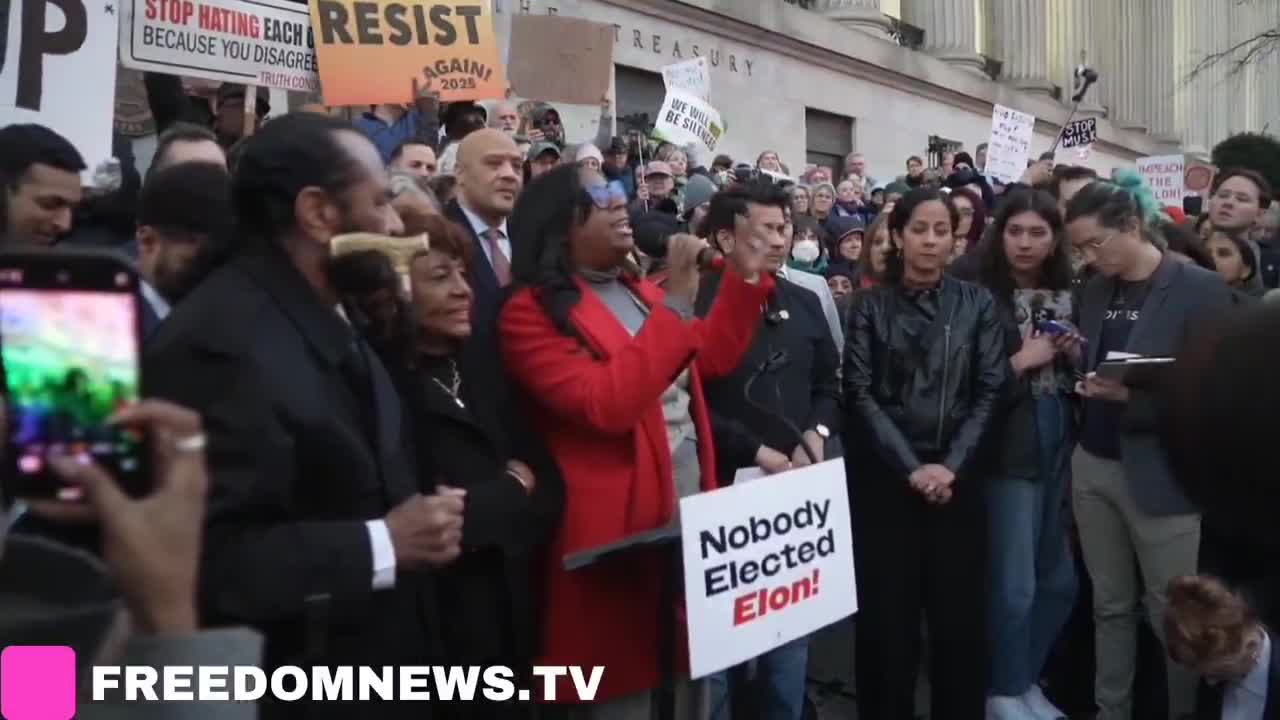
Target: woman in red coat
(614,368)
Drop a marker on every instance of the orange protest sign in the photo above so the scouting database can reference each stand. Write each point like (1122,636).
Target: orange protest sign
(372,51)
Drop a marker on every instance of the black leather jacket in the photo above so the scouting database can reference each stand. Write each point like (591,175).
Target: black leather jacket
(924,373)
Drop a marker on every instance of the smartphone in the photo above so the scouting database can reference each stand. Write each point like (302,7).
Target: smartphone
(70,354)
(1053,327)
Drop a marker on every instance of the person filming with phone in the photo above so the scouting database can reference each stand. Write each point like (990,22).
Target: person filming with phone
(136,605)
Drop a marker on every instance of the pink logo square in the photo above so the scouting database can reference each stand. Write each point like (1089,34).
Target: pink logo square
(37,682)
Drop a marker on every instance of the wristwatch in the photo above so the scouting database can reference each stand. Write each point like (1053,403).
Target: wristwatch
(823,431)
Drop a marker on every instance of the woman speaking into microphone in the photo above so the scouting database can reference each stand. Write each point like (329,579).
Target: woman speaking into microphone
(614,367)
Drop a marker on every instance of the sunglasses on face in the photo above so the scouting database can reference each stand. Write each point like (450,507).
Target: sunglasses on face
(603,195)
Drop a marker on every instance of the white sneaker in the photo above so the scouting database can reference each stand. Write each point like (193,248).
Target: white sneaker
(1004,707)
(1040,706)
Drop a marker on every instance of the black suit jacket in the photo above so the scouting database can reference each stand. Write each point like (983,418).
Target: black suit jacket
(1211,697)
(489,594)
(804,391)
(304,447)
(484,283)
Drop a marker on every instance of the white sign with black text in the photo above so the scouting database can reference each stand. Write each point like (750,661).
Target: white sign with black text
(766,562)
(58,69)
(251,42)
(691,76)
(688,120)
(1010,144)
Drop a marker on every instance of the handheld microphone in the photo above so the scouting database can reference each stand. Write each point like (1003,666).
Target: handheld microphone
(1085,76)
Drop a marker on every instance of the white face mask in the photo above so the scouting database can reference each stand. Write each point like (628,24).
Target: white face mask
(806,251)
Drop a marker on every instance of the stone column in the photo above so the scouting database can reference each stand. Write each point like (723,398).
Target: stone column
(863,15)
(950,30)
(1022,35)
(1161,69)
(1128,66)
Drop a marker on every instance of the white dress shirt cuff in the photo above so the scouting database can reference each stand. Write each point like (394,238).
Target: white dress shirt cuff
(384,555)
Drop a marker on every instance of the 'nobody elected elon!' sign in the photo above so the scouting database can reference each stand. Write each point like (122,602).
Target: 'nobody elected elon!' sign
(765,562)
(373,52)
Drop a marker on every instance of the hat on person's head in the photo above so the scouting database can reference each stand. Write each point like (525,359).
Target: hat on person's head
(587,150)
(235,91)
(658,167)
(537,150)
(698,190)
(962,158)
(840,225)
(617,146)
(839,269)
(452,111)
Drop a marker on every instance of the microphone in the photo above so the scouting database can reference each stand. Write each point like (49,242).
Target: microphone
(653,231)
(776,361)
(1085,76)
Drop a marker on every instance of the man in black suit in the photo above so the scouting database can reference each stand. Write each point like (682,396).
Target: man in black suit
(785,387)
(316,534)
(184,213)
(489,180)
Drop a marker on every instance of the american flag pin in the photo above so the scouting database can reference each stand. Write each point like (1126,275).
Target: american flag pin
(784,315)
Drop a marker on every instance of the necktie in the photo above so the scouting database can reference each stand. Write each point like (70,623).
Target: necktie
(501,265)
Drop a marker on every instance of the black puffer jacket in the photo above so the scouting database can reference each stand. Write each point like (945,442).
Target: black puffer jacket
(924,373)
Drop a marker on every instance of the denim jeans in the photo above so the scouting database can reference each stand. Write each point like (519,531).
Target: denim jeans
(1032,576)
(780,675)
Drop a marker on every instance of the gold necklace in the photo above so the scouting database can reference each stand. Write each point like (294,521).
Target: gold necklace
(456,383)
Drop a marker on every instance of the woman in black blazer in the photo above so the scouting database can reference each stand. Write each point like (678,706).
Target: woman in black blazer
(467,437)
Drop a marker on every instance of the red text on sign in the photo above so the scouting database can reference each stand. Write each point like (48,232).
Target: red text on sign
(760,603)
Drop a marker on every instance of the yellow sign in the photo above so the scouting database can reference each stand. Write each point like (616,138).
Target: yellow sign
(373,51)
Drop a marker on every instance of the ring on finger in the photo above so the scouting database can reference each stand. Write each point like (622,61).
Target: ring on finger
(191,443)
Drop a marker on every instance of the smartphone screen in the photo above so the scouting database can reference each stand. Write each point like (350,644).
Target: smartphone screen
(69,346)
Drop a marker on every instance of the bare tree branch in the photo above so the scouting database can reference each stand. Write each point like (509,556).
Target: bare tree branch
(1241,55)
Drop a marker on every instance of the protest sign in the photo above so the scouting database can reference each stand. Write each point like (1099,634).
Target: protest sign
(766,562)
(251,42)
(373,52)
(58,69)
(685,119)
(1010,143)
(560,59)
(1079,132)
(1164,173)
(691,76)
(1198,178)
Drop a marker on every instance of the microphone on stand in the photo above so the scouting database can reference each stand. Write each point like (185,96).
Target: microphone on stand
(776,361)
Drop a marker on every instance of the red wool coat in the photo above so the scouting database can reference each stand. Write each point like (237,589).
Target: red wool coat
(601,417)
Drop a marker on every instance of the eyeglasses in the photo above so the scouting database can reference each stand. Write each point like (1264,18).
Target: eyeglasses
(1098,244)
(602,196)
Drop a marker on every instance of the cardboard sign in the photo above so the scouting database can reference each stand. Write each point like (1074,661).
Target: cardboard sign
(1079,132)
(560,59)
(685,119)
(251,42)
(1164,173)
(373,52)
(766,562)
(691,76)
(1010,143)
(58,69)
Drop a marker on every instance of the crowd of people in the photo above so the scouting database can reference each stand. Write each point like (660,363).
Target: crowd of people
(397,459)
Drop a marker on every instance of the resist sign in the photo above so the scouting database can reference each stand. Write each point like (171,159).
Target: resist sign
(766,562)
(252,42)
(374,52)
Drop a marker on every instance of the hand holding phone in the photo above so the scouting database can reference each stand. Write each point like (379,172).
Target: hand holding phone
(70,329)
